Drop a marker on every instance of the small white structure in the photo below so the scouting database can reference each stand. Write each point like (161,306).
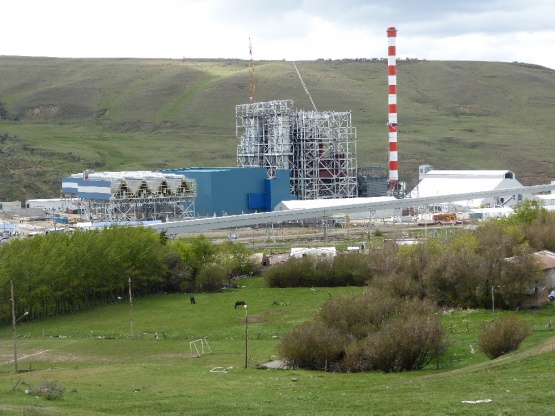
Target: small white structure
(548,201)
(486,213)
(53,204)
(313,251)
(446,182)
(10,206)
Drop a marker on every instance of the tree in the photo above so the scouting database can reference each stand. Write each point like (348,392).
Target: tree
(235,258)
(195,252)
(527,212)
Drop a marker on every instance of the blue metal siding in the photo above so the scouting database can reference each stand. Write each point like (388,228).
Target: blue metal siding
(257,201)
(231,189)
(227,190)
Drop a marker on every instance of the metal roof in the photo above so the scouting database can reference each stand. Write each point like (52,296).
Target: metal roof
(319,203)
(446,182)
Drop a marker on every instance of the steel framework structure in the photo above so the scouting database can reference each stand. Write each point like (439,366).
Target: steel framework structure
(141,208)
(136,196)
(318,148)
(263,135)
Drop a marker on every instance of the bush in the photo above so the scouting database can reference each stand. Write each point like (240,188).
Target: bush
(351,269)
(371,331)
(295,272)
(312,345)
(210,279)
(503,336)
(311,271)
(358,315)
(406,343)
(48,389)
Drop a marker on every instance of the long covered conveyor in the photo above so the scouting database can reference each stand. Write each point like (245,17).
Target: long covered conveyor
(351,206)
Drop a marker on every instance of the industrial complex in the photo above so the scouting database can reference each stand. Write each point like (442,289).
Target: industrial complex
(288,159)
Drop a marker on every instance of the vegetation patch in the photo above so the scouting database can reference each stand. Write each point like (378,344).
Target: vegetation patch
(503,336)
(372,331)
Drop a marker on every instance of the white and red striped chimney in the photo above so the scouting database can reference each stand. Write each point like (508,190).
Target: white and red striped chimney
(392,106)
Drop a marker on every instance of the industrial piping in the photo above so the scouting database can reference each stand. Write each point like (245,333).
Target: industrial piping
(392,107)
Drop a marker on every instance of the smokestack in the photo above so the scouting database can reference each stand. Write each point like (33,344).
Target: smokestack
(392,106)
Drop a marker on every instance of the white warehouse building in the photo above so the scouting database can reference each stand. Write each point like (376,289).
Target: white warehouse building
(446,182)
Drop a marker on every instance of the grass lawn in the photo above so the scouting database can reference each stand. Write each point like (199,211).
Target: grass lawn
(104,371)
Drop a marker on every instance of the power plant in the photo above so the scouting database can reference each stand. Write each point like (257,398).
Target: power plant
(283,154)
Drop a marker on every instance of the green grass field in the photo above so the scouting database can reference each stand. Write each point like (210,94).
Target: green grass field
(104,371)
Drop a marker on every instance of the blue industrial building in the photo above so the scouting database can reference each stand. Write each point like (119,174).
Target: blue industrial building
(236,190)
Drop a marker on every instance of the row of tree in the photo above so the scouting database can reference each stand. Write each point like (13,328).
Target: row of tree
(63,272)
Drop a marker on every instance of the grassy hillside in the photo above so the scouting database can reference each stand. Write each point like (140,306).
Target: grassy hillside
(90,353)
(61,116)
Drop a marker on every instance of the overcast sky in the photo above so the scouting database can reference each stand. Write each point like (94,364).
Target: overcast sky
(294,30)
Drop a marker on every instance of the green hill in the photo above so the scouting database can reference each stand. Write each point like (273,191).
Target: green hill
(61,116)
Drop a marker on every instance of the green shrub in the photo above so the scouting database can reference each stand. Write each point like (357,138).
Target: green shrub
(311,271)
(358,315)
(351,269)
(503,336)
(312,345)
(51,390)
(295,272)
(371,331)
(210,279)
(408,342)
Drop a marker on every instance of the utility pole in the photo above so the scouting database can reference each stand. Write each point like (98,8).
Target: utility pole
(14,320)
(246,337)
(131,310)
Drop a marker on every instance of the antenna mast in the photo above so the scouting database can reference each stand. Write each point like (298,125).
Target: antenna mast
(252,88)
(304,86)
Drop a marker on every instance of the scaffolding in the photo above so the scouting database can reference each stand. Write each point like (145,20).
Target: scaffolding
(317,148)
(136,196)
(263,135)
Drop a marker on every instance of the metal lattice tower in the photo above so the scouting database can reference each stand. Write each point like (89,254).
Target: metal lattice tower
(318,148)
